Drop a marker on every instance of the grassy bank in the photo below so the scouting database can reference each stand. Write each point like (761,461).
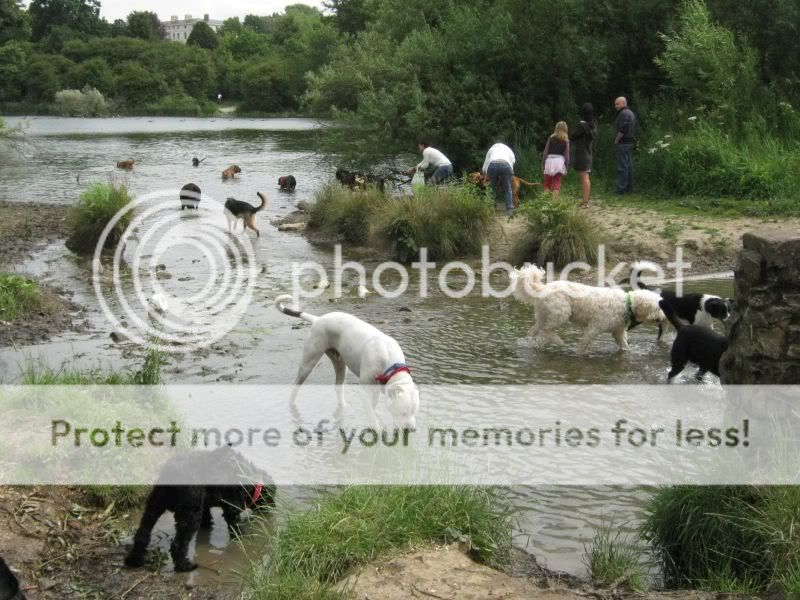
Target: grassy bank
(727,538)
(449,221)
(97,206)
(19,296)
(316,549)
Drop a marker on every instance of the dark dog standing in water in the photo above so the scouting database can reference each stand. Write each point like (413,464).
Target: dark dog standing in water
(287,183)
(9,584)
(191,504)
(190,196)
(236,209)
(196,161)
(694,344)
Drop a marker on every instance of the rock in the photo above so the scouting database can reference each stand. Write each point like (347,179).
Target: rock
(763,331)
(302,206)
(404,309)
(292,227)
(163,275)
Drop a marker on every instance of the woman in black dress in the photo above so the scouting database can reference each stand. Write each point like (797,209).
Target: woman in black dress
(582,138)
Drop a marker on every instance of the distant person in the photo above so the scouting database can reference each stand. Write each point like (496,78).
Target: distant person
(582,138)
(219,98)
(555,158)
(625,139)
(498,168)
(433,160)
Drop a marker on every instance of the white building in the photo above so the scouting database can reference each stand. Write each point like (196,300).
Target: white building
(178,30)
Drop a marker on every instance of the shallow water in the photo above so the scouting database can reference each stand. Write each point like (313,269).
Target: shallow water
(471,340)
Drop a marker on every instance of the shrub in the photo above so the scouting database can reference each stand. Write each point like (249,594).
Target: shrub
(448,221)
(18,295)
(95,209)
(180,105)
(557,232)
(612,556)
(362,523)
(740,538)
(81,103)
(345,212)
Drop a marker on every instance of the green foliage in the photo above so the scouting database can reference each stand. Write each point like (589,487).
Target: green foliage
(88,218)
(317,548)
(80,16)
(180,105)
(94,73)
(38,373)
(18,295)
(557,232)
(145,26)
(14,22)
(449,221)
(343,212)
(137,85)
(265,86)
(13,60)
(81,103)
(203,36)
(611,556)
(729,538)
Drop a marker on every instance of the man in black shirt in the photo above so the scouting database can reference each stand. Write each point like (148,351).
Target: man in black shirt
(625,139)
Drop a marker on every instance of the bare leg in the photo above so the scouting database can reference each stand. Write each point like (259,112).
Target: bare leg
(586,187)
(341,371)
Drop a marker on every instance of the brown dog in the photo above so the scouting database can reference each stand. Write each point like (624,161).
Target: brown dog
(126,164)
(231,172)
(479,179)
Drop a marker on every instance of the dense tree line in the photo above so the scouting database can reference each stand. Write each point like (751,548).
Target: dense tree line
(260,62)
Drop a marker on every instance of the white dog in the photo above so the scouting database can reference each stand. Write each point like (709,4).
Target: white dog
(596,309)
(372,355)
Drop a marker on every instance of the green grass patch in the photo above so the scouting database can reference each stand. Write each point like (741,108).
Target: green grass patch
(317,548)
(726,538)
(88,218)
(38,373)
(448,221)
(612,556)
(671,231)
(18,296)
(557,232)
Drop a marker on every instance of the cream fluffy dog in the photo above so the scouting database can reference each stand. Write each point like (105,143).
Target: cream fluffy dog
(596,309)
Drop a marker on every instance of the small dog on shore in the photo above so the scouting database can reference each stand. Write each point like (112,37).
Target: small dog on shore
(126,164)
(190,196)
(479,179)
(236,210)
(287,183)
(694,344)
(191,504)
(231,172)
(9,584)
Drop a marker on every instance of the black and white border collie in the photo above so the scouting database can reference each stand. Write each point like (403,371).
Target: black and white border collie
(691,308)
(9,584)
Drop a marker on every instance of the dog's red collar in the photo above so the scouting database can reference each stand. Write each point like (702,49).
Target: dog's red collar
(391,372)
(256,494)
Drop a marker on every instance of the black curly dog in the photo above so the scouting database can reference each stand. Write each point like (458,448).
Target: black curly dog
(694,344)
(9,585)
(287,183)
(353,180)
(192,504)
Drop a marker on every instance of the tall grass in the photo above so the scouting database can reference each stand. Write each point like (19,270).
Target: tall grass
(740,538)
(612,557)
(448,221)
(317,548)
(557,232)
(94,210)
(18,295)
(39,373)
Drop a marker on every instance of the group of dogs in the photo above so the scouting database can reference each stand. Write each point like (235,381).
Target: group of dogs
(378,361)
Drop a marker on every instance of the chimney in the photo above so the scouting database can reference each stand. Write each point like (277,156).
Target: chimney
(205,17)
(173,18)
(187,17)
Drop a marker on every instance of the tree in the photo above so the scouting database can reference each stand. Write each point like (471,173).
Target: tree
(138,86)
(259,24)
(119,28)
(145,25)
(14,22)
(265,86)
(202,35)
(349,16)
(94,73)
(232,25)
(245,44)
(82,16)
(13,58)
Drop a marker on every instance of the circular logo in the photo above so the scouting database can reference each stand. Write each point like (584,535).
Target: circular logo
(179,280)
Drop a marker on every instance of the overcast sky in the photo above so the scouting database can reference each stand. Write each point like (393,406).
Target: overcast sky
(217,9)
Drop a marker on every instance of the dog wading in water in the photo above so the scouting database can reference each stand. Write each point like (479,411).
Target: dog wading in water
(236,210)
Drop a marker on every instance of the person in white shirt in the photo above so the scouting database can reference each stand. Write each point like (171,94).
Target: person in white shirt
(499,167)
(433,160)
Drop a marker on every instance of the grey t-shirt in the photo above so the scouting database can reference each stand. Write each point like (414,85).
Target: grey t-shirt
(626,125)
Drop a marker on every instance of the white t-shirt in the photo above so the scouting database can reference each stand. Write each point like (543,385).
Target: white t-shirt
(431,157)
(499,152)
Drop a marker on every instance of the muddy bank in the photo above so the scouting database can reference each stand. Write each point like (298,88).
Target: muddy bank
(25,229)
(64,548)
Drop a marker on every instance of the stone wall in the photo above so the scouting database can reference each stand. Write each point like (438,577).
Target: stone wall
(764,332)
